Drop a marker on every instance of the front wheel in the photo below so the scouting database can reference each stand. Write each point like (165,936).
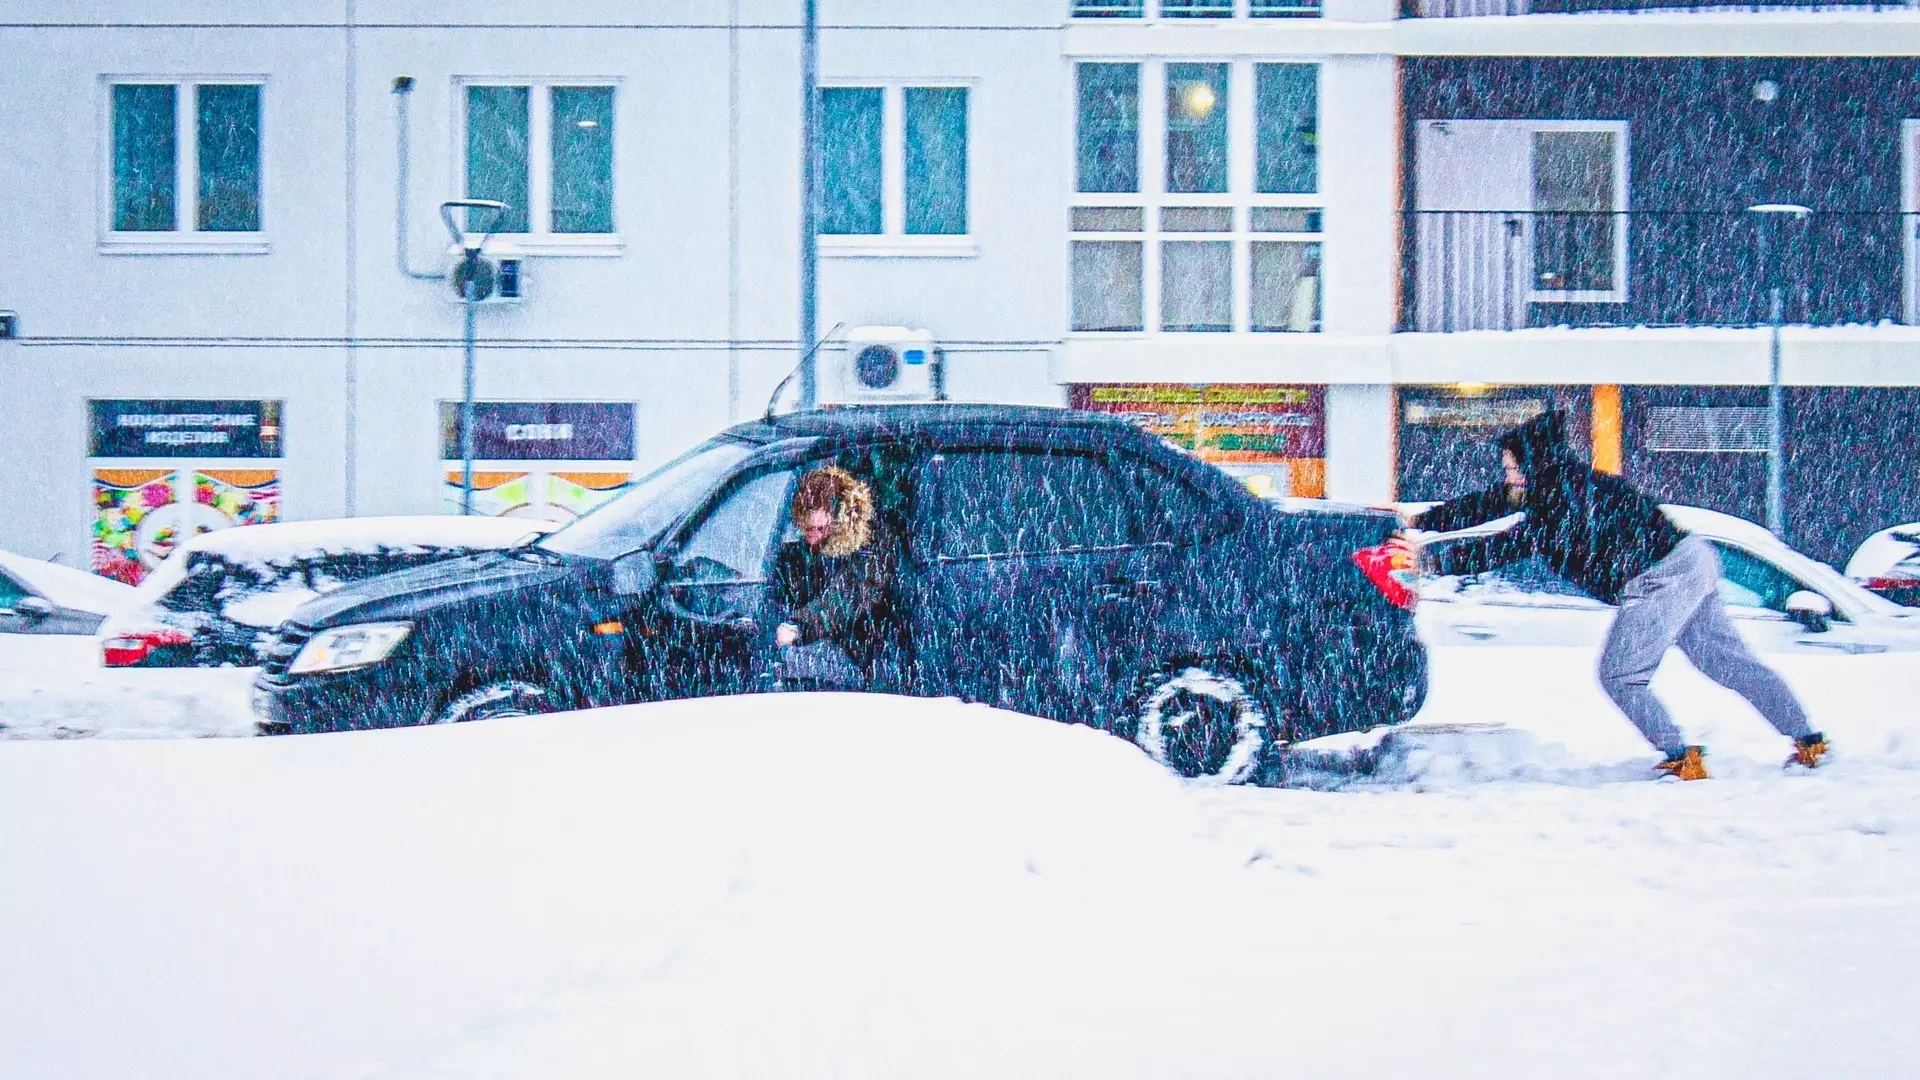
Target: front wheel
(507,697)
(1201,723)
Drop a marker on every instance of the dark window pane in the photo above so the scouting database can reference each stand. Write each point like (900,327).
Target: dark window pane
(1287,123)
(1197,128)
(1284,9)
(1106,285)
(850,159)
(497,152)
(936,181)
(144,158)
(1105,219)
(995,503)
(227,130)
(1196,219)
(1573,236)
(1108,9)
(1196,9)
(1108,126)
(1270,219)
(1196,285)
(583,159)
(1286,286)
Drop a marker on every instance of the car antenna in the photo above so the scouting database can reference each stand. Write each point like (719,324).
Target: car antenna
(775,398)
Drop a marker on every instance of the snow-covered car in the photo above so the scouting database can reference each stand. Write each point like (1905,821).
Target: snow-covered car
(38,597)
(216,598)
(1780,599)
(1888,563)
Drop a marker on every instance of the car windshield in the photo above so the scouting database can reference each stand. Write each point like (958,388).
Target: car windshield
(636,518)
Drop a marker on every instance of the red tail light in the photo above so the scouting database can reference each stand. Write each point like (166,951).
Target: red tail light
(132,649)
(1879,584)
(1391,568)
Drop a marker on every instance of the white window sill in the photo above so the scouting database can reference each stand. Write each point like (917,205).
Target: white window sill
(552,245)
(898,247)
(183,243)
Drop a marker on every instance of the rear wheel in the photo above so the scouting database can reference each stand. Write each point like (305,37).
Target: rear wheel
(507,697)
(1201,722)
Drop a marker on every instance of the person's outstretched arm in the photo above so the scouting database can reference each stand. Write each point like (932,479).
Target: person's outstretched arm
(1465,511)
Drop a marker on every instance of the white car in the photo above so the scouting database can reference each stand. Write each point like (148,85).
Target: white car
(38,597)
(1888,564)
(1781,600)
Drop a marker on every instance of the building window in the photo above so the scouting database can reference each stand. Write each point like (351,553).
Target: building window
(1227,236)
(1574,199)
(546,150)
(1196,9)
(894,169)
(200,138)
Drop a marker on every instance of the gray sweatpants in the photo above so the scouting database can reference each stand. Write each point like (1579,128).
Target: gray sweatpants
(1676,602)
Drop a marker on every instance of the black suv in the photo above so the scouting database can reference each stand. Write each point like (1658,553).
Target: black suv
(1059,563)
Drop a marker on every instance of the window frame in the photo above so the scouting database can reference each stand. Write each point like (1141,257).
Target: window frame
(893,241)
(1152,198)
(1621,201)
(540,239)
(1153,12)
(186,237)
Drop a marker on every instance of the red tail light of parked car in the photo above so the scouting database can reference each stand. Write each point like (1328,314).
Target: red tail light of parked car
(1391,567)
(134,648)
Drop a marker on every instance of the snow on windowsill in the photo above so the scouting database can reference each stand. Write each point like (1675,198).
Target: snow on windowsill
(899,247)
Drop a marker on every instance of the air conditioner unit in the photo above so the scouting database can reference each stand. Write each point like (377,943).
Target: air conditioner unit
(494,269)
(886,363)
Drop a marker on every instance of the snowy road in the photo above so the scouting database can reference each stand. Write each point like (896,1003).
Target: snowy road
(866,887)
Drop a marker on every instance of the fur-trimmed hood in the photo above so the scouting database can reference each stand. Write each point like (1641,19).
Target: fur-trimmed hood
(852,512)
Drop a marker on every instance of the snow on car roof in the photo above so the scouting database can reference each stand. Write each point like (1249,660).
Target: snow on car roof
(1885,550)
(66,586)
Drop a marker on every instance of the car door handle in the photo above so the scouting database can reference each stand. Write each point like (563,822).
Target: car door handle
(1477,631)
(1116,591)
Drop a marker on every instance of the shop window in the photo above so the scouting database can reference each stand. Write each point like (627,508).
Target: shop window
(546,150)
(1231,239)
(200,139)
(894,163)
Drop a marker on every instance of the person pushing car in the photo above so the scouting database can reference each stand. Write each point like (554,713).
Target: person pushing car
(1615,542)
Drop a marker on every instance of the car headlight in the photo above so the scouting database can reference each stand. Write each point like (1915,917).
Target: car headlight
(349,647)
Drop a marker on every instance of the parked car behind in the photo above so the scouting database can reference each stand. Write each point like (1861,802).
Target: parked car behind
(1780,599)
(1059,563)
(38,597)
(214,600)
(1888,563)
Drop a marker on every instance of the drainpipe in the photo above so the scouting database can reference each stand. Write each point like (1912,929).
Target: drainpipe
(403,171)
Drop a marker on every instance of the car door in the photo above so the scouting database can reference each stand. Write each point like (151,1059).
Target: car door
(1523,604)
(1026,544)
(1755,591)
(716,621)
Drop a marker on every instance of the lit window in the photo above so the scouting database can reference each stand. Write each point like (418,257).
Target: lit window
(1227,237)
(564,188)
(200,138)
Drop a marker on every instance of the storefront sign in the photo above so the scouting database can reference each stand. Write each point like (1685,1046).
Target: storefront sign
(1272,436)
(1470,412)
(184,429)
(542,431)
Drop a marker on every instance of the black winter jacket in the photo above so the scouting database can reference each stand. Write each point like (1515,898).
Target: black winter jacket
(1595,530)
(837,598)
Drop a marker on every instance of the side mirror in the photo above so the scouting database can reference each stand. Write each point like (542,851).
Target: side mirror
(1810,610)
(33,608)
(635,573)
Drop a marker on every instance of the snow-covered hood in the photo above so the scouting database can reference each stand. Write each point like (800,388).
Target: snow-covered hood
(1891,552)
(408,594)
(76,590)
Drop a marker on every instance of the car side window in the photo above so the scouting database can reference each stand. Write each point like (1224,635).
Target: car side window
(1168,508)
(1747,581)
(733,543)
(1001,502)
(11,593)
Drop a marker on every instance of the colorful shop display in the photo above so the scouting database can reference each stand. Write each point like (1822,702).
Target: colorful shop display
(1273,437)
(551,460)
(146,500)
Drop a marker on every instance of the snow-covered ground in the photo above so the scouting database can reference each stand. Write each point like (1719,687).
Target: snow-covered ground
(53,687)
(852,886)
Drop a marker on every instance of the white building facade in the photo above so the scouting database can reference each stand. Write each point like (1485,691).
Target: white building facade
(224,229)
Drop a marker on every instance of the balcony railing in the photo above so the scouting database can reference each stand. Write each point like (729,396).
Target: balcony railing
(1504,270)
(1445,9)
(1197,9)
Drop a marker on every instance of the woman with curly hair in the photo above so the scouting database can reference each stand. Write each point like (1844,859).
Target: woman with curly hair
(832,584)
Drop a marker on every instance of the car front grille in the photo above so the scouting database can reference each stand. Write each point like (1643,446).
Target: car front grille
(283,647)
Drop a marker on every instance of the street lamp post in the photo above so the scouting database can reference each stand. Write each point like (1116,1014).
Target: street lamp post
(1776,396)
(475,279)
(809,200)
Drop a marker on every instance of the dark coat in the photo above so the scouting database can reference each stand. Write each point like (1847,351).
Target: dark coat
(837,598)
(1595,530)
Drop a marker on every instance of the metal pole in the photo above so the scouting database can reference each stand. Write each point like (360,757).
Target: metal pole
(809,198)
(1776,427)
(466,404)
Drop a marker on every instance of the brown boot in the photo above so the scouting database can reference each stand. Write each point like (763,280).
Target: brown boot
(1689,764)
(1808,750)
